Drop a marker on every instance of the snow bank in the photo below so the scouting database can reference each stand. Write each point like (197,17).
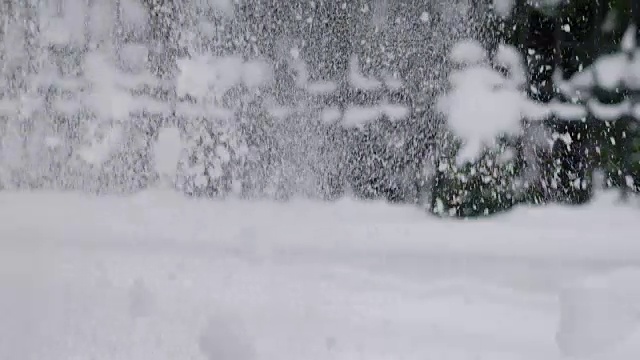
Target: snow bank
(224,338)
(158,275)
(166,218)
(599,313)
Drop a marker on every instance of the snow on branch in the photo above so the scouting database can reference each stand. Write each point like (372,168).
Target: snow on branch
(484,103)
(204,75)
(609,72)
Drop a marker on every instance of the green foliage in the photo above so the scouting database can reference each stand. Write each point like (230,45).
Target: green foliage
(490,184)
(618,150)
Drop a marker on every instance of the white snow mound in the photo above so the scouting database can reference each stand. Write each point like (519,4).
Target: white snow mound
(599,313)
(224,338)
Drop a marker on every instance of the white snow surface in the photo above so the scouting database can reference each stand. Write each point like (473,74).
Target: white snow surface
(321,87)
(159,276)
(599,311)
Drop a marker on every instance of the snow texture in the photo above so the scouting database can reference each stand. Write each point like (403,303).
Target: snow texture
(599,313)
(484,104)
(610,72)
(503,7)
(223,338)
(226,6)
(167,152)
(606,112)
(134,15)
(359,116)
(321,87)
(358,80)
(101,147)
(468,52)
(108,98)
(157,275)
(205,76)
(141,301)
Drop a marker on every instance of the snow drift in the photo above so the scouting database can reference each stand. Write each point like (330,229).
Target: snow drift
(157,275)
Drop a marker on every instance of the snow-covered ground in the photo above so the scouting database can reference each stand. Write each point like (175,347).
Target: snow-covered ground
(157,276)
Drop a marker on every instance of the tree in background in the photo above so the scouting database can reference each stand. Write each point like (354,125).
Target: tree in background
(607,90)
(89,87)
(45,124)
(15,114)
(215,150)
(560,41)
(480,171)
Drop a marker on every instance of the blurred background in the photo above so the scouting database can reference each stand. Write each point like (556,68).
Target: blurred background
(322,99)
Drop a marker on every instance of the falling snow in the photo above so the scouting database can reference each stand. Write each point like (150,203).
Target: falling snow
(237,180)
